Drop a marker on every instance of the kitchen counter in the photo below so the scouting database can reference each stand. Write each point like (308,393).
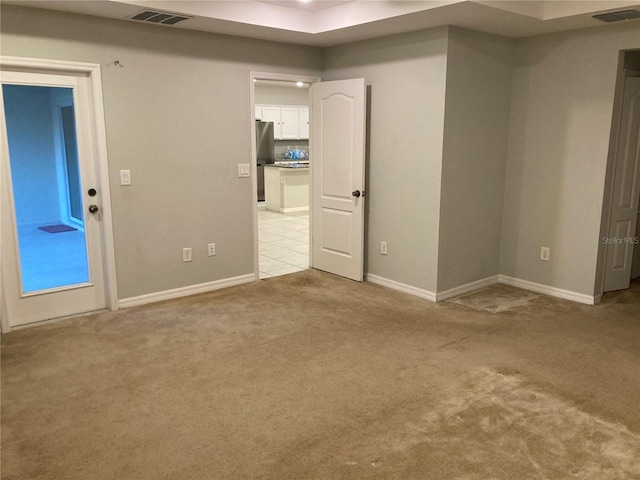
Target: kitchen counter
(286,187)
(289,165)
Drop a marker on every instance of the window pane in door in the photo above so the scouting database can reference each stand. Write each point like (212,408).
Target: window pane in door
(47,186)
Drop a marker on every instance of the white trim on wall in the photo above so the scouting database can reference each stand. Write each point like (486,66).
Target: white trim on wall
(401,287)
(186,291)
(375,279)
(469,287)
(485,282)
(547,290)
(105,189)
(46,65)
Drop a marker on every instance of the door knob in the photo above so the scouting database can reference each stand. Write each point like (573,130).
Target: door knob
(93,208)
(356,193)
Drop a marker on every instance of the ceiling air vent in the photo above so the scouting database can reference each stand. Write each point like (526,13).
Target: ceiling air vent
(617,16)
(153,16)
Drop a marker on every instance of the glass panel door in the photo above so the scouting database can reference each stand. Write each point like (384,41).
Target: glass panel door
(47,190)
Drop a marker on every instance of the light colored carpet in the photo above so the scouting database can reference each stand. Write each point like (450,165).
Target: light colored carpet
(496,299)
(310,376)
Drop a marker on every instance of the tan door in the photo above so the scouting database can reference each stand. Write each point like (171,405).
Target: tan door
(337,146)
(626,191)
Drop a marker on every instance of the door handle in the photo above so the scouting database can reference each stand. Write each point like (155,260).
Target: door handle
(356,193)
(93,208)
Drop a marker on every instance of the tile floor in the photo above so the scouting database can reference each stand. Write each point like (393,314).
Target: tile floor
(283,242)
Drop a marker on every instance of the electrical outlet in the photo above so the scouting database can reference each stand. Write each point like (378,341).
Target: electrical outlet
(243,170)
(383,248)
(211,249)
(186,254)
(545,254)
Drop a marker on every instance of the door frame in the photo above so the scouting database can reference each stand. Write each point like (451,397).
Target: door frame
(98,131)
(612,160)
(284,77)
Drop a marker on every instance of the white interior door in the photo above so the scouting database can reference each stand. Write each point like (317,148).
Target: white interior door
(50,268)
(626,188)
(337,145)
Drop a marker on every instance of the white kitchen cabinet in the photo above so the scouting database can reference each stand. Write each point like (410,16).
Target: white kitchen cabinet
(272,114)
(303,122)
(289,122)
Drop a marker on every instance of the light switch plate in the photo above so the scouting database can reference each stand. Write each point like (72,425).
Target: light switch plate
(125,177)
(243,170)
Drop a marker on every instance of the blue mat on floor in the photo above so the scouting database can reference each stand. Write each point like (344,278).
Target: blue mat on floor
(57,228)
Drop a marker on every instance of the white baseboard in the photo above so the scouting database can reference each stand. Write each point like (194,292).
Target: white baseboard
(185,291)
(402,287)
(547,290)
(485,282)
(466,288)
(294,209)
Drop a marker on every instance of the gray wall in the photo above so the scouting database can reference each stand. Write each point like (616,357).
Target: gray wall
(406,74)
(561,109)
(474,158)
(178,116)
(32,154)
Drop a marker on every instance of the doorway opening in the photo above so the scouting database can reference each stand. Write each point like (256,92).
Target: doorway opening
(620,227)
(282,163)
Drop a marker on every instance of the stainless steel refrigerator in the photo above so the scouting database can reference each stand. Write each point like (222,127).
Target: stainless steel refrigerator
(264,152)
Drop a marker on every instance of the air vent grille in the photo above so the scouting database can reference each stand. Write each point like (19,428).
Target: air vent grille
(154,16)
(617,16)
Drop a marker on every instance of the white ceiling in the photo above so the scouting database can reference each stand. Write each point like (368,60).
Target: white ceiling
(328,22)
(309,5)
